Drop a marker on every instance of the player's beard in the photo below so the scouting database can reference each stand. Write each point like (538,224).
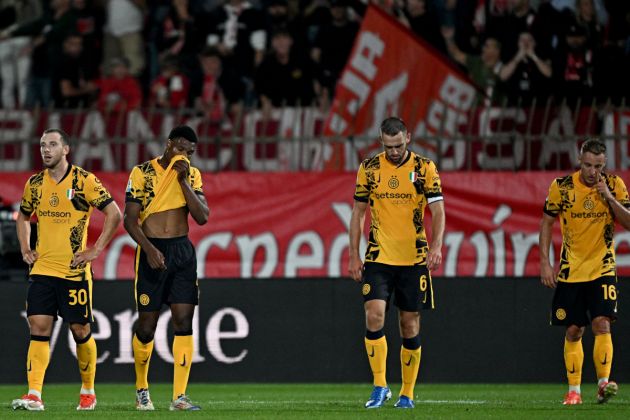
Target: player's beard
(52,163)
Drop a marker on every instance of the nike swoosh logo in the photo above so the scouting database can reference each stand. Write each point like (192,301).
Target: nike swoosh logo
(408,363)
(605,357)
(86,367)
(572,369)
(372,355)
(184,362)
(30,365)
(144,362)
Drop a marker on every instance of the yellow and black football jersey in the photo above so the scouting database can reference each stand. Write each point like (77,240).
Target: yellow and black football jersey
(587,225)
(63,212)
(148,180)
(397,195)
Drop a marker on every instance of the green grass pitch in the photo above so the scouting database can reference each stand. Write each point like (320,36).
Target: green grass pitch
(326,401)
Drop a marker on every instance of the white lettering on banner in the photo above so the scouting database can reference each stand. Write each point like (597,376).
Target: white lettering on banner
(504,160)
(445,115)
(91,146)
(204,163)
(222,240)
(555,144)
(125,322)
(23,121)
(113,255)
(386,101)
(101,330)
(296,260)
(340,243)
(617,124)
(248,245)
(362,63)
(214,334)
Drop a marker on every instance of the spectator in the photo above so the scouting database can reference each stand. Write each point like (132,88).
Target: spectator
(73,87)
(15,60)
(332,48)
(278,19)
(47,34)
(483,69)
(237,30)
(90,21)
(123,33)
(574,65)
(209,98)
(586,16)
(424,22)
(285,77)
(119,91)
(526,74)
(170,89)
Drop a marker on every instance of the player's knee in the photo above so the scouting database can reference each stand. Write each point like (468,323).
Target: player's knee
(182,323)
(80,332)
(145,335)
(601,325)
(375,320)
(574,333)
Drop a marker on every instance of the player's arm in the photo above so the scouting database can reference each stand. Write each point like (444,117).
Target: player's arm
(23,225)
(195,201)
(131,216)
(357,221)
(112,220)
(547,275)
(438,223)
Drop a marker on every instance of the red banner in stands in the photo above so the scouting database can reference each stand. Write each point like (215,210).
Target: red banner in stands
(296,224)
(391,72)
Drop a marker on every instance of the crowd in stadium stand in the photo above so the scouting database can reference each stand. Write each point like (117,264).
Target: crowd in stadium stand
(218,56)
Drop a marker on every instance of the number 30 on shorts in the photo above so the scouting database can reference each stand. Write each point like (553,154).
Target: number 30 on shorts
(610,292)
(78,296)
(423,283)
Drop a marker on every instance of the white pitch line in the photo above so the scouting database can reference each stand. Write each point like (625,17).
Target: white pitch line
(320,402)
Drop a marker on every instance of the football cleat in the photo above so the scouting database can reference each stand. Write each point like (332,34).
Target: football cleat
(606,391)
(143,400)
(404,402)
(379,395)
(28,402)
(183,403)
(572,398)
(86,402)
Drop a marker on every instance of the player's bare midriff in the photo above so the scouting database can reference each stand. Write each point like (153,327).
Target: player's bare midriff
(167,224)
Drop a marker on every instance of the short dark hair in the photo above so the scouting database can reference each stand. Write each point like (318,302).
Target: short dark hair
(594,146)
(392,126)
(62,134)
(183,132)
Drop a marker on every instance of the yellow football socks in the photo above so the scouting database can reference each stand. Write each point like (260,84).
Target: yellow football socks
(182,355)
(142,358)
(409,363)
(86,354)
(37,362)
(573,360)
(377,355)
(603,355)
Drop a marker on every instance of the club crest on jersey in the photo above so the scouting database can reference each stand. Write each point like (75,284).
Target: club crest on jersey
(70,193)
(413,176)
(54,200)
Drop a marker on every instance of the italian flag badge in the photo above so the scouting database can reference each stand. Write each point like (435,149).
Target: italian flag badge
(70,193)
(413,176)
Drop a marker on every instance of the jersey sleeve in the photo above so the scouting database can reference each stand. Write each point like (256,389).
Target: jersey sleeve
(96,193)
(195,181)
(620,192)
(27,205)
(362,189)
(553,203)
(432,184)
(135,187)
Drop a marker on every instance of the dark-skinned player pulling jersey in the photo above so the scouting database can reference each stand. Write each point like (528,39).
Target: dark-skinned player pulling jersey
(63,212)
(587,225)
(397,196)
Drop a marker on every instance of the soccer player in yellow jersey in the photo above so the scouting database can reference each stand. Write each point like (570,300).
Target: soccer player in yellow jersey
(397,185)
(160,195)
(587,203)
(63,197)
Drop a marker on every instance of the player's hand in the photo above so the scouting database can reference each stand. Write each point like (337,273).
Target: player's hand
(434,259)
(30,256)
(155,259)
(603,190)
(547,276)
(82,257)
(181,167)
(355,268)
